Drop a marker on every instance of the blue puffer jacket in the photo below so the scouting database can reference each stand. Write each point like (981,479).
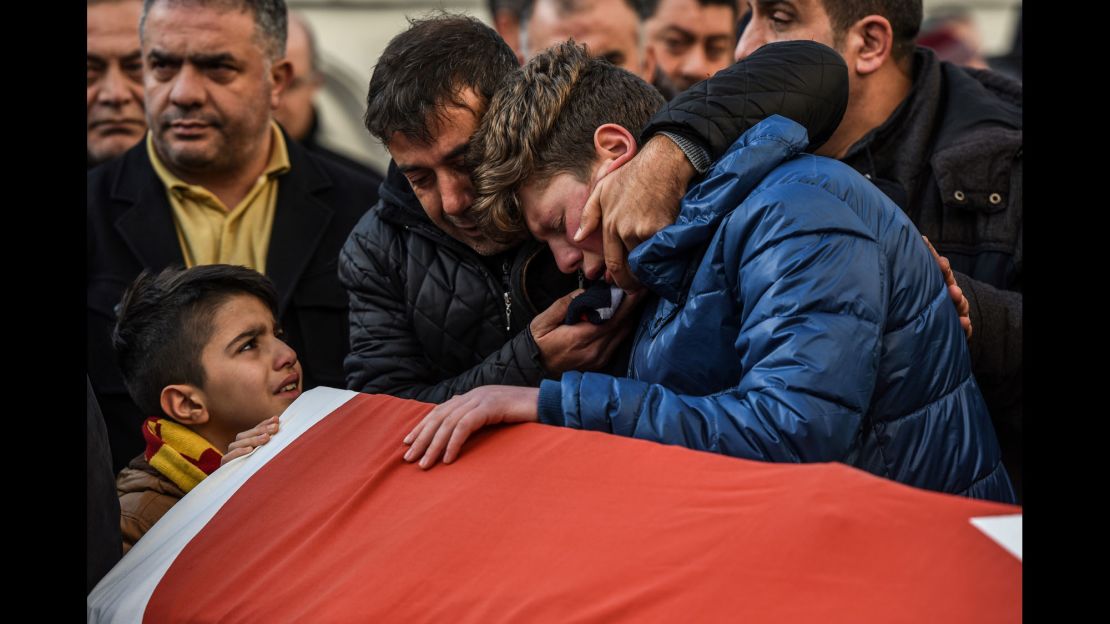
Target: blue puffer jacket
(799,318)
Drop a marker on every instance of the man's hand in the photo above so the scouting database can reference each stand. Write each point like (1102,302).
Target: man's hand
(634,202)
(250,439)
(445,428)
(582,346)
(963,308)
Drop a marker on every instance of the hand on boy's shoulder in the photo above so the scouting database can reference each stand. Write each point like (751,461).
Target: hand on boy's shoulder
(250,439)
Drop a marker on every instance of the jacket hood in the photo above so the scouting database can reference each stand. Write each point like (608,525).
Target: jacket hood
(663,261)
(973,97)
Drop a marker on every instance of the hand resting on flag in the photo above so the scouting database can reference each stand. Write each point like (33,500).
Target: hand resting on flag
(444,430)
(250,439)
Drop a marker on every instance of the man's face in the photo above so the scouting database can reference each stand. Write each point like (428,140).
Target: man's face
(250,373)
(691,41)
(438,175)
(295,111)
(553,212)
(608,28)
(785,20)
(114,79)
(209,91)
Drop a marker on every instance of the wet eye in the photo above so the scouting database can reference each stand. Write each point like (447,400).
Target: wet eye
(279,333)
(249,345)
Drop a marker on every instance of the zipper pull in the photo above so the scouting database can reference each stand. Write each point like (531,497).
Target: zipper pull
(506,273)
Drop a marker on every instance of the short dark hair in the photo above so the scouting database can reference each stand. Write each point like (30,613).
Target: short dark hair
(541,123)
(904,16)
(427,67)
(270,20)
(165,319)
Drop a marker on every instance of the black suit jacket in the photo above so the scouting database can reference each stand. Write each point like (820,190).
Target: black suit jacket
(129,227)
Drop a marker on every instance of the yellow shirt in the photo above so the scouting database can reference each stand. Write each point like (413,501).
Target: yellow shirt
(210,233)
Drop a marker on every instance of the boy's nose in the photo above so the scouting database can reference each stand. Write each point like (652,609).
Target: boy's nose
(286,356)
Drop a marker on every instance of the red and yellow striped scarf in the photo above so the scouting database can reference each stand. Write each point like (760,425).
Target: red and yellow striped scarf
(181,455)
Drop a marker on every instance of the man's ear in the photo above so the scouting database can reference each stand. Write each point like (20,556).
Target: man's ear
(614,146)
(871,41)
(281,74)
(185,403)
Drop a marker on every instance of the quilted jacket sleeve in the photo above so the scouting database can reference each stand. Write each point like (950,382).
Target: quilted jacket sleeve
(716,111)
(811,317)
(386,356)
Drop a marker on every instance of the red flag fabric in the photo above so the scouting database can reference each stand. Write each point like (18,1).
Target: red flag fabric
(544,524)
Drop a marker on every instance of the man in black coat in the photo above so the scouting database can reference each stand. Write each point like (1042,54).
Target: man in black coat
(216,180)
(945,143)
(437,308)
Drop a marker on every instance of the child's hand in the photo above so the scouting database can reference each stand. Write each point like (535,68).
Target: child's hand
(248,440)
(446,427)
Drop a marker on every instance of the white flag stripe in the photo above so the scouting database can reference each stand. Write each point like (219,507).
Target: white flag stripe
(123,593)
(1006,530)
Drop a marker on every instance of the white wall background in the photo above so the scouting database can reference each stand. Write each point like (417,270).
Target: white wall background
(996,19)
(350,34)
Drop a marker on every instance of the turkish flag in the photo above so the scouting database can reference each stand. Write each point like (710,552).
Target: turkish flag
(533,523)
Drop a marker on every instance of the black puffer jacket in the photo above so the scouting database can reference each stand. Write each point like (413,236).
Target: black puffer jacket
(951,157)
(715,112)
(430,318)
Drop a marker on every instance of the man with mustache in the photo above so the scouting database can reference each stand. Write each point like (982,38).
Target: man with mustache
(691,39)
(218,181)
